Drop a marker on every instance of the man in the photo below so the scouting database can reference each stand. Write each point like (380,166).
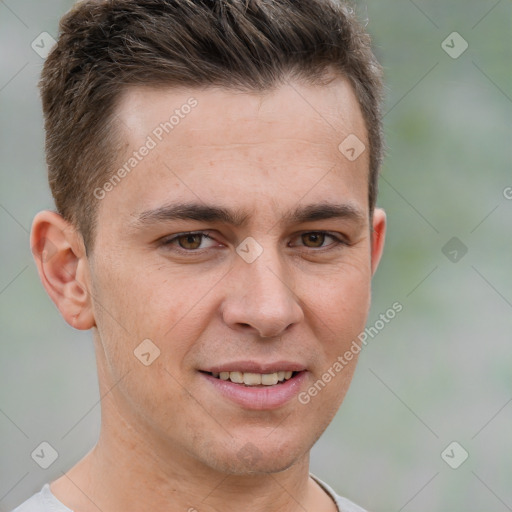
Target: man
(214,166)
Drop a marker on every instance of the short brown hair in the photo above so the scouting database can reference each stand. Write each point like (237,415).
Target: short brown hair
(105,46)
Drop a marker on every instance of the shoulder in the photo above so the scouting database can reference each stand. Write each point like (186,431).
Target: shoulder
(43,501)
(343,504)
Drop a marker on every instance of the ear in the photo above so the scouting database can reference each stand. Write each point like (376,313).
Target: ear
(59,253)
(378,236)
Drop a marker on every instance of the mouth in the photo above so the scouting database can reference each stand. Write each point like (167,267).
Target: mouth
(269,388)
(251,379)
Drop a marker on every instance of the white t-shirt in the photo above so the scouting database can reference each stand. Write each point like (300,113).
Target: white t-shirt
(45,501)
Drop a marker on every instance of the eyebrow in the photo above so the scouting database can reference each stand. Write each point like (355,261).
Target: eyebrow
(211,213)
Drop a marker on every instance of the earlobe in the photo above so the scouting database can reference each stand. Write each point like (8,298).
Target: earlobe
(378,236)
(60,257)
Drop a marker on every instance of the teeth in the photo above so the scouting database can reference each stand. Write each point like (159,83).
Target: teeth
(254,379)
(269,379)
(237,377)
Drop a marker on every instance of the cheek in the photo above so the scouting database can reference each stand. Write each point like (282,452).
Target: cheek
(122,311)
(338,310)
(341,305)
(131,306)
(130,298)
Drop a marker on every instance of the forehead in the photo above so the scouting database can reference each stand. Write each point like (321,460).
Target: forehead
(229,115)
(275,146)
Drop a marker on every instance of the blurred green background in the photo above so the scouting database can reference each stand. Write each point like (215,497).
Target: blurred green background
(440,371)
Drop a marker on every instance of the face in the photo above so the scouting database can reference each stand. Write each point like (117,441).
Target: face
(239,244)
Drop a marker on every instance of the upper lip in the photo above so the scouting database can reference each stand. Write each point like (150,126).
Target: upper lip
(255,367)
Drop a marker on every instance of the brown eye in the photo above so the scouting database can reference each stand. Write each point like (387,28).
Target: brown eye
(313,239)
(190,241)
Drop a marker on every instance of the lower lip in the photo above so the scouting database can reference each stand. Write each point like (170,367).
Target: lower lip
(259,398)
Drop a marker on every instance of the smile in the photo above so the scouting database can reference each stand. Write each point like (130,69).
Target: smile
(263,390)
(255,379)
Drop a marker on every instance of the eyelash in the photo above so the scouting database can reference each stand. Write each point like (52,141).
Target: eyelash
(166,242)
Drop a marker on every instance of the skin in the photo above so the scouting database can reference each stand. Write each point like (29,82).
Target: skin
(169,440)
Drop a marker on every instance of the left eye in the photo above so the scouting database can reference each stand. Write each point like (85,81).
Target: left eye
(188,241)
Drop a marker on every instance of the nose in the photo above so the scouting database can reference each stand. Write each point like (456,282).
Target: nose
(260,297)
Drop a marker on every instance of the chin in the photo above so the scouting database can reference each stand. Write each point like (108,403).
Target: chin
(258,458)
